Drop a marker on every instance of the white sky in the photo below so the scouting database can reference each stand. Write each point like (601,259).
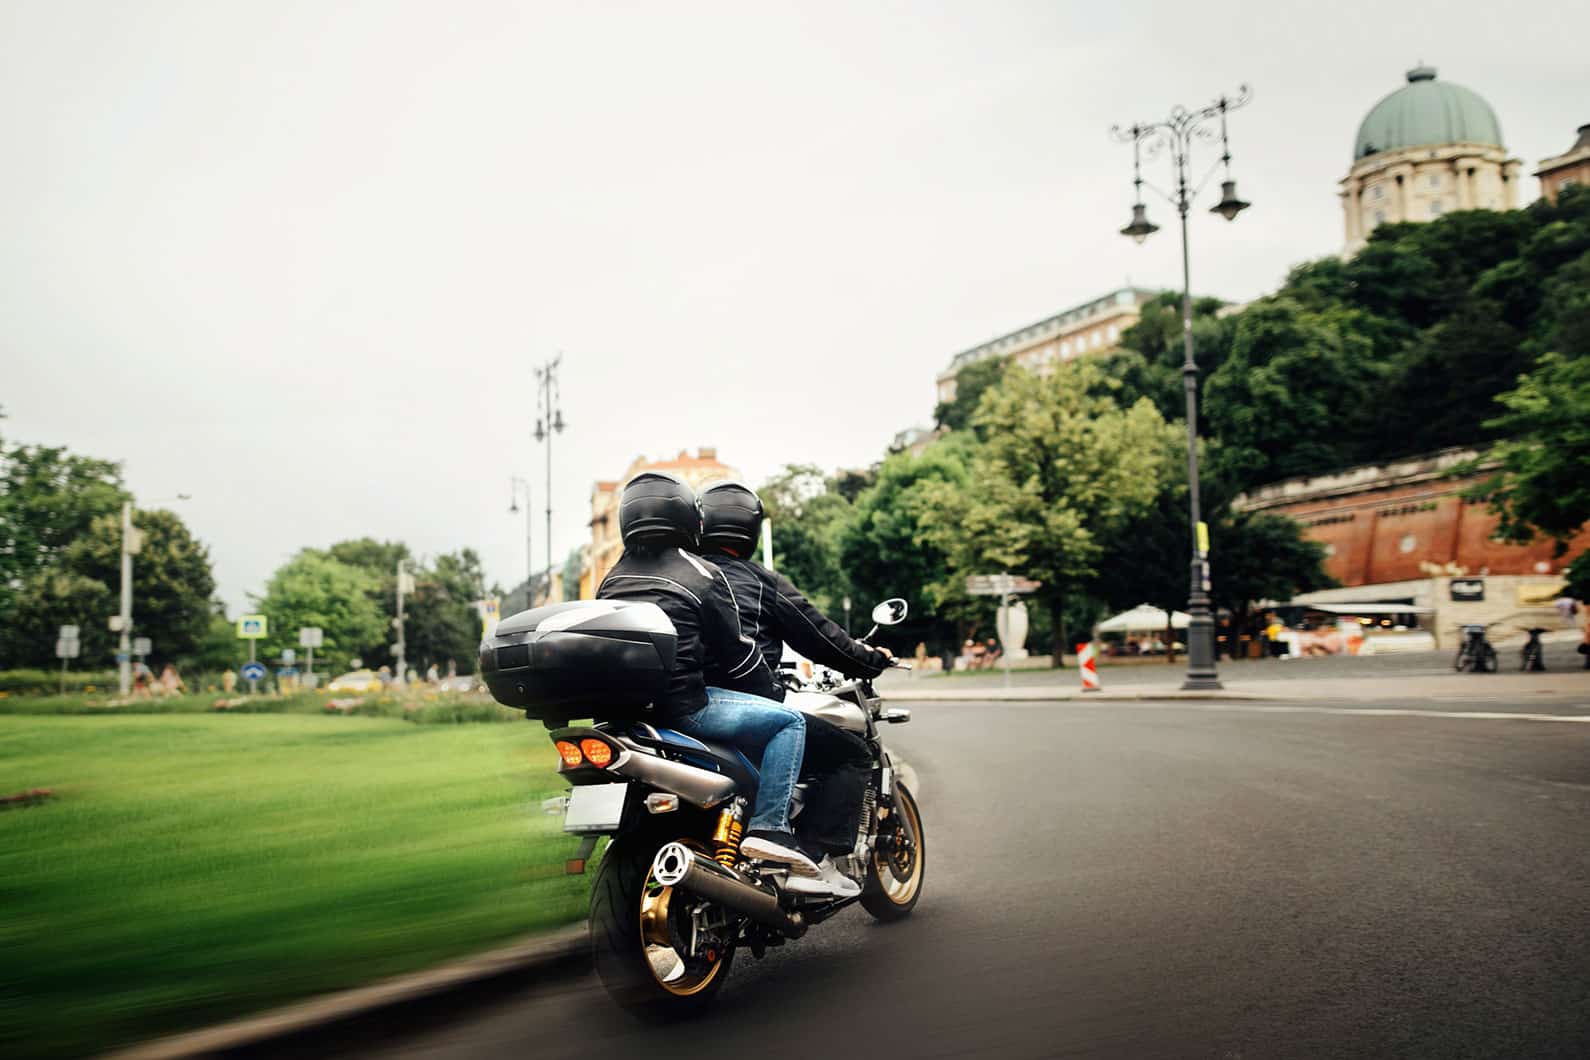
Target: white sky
(298,259)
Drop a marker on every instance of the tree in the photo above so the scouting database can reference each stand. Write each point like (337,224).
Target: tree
(1298,394)
(1542,487)
(884,547)
(970,383)
(48,499)
(442,625)
(808,518)
(1061,469)
(1262,556)
(313,589)
(172,591)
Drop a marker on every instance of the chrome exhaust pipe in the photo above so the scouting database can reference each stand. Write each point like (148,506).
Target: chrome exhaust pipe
(676,865)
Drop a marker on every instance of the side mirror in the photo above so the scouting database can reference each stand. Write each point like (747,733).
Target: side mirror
(891,612)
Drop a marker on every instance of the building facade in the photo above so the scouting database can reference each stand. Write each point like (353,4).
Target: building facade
(1093,327)
(1567,169)
(606,542)
(1428,148)
(1402,533)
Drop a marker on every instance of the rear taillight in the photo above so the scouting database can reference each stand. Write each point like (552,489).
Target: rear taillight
(569,753)
(597,753)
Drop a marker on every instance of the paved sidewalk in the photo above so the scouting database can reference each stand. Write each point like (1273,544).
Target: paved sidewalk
(1426,676)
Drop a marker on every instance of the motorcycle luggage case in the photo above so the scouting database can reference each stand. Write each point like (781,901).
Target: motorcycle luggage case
(603,659)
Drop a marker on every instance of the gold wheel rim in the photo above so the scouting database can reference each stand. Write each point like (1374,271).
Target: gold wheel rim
(895,889)
(657,946)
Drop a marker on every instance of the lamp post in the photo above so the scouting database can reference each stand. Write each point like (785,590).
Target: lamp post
(522,485)
(1175,136)
(549,420)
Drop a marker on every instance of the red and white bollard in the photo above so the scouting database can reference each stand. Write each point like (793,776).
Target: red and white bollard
(1088,667)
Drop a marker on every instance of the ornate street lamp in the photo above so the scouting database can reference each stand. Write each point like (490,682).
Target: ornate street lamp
(1175,136)
(549,420)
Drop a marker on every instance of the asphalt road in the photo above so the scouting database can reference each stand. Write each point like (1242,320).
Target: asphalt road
(1154,880)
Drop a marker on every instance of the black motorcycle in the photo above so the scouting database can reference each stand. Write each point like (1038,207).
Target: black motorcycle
(1475,655)
(1532,656)
(674,900)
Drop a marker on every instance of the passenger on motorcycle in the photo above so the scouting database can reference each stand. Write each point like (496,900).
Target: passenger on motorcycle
(659,518)
(774,613)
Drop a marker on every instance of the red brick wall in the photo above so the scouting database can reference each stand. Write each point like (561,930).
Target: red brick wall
(1368,529)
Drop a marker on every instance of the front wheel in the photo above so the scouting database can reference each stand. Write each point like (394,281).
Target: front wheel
(641,931)
(894,877)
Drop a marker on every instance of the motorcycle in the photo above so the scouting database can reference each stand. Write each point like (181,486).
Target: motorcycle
(1532,656)
(1475,654)
(674,901)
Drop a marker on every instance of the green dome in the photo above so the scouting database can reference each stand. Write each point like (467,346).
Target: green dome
(1427,111)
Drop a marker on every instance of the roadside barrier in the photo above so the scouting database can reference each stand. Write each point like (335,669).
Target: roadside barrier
(1088,667)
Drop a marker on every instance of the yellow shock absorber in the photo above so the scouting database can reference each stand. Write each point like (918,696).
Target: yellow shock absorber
(726,839)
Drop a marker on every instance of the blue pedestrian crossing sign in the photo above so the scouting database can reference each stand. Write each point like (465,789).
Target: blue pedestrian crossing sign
(253,671)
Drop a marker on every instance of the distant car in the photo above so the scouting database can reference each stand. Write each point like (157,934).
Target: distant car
(357,681)
(461,683)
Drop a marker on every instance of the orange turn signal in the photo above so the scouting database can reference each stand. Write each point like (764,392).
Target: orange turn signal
(597,753)
(569,753)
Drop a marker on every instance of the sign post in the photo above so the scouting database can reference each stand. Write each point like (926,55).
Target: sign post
(253,628)
(1003,586)
(67,647)
(311,637)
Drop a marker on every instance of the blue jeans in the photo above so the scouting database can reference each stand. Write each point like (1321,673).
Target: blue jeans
(755,725)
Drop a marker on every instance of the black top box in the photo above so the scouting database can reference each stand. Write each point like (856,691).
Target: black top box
(603,659)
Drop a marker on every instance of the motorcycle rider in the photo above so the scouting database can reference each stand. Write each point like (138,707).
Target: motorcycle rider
(659,518)
(773,612)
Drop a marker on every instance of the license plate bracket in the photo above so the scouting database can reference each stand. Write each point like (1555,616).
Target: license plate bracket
(596,808)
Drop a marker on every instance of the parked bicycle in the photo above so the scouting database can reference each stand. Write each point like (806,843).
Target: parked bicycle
(1475,655)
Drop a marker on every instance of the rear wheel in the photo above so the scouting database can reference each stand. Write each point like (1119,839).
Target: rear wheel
(894,878)
(641,935)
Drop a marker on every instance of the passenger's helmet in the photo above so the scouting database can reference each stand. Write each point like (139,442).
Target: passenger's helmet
(658,510)
(731,515)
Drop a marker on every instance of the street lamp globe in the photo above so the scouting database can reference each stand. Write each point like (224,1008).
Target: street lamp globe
(1230,203)
(1141,227)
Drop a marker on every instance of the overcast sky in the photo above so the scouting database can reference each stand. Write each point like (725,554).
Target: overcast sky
(298,259)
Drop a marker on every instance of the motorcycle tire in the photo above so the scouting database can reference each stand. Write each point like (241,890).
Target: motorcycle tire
(629,925)
(1460,663)
(1488,664)
(895,877)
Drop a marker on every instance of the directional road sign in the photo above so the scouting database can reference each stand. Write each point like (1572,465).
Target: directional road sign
(68,648)
(252,627)
(253,671)
(142,646)
(1000,584)
(311,637)
(68,633)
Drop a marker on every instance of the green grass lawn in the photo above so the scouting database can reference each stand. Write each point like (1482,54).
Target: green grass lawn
(192,867)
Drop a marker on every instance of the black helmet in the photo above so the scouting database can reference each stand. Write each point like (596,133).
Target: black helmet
(731,517)
(659,509)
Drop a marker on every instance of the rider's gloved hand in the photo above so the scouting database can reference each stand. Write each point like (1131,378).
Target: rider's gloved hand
(885,651)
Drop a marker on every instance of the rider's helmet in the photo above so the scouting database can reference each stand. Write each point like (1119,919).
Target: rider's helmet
(731,515)
(658,510)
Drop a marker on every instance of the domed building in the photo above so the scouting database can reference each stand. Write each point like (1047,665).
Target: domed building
(1430,147)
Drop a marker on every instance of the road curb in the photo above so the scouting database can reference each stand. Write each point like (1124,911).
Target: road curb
(321,1014)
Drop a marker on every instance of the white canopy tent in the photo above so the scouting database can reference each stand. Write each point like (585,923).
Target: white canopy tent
(1144,618)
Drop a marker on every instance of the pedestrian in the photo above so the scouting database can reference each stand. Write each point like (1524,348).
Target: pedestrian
(1567,607)
(228,681)
(171,681)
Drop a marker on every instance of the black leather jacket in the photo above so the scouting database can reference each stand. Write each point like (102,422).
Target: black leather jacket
(696,597)
(773,612)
